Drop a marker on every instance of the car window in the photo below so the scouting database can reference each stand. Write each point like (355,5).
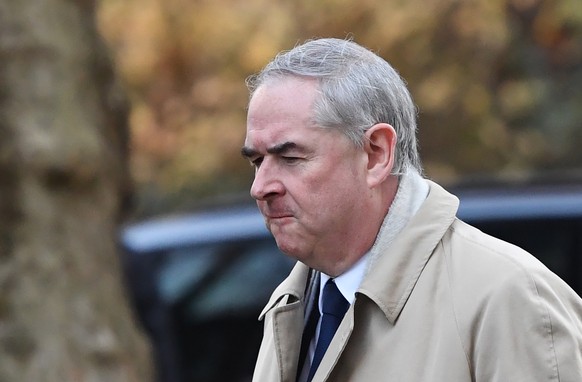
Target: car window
(244,283)
(214,294)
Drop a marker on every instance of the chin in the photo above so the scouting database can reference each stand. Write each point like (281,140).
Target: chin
(290,249)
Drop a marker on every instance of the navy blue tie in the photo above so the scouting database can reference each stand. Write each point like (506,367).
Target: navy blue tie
(334,307)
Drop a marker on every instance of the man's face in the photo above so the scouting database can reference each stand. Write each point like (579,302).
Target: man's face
(309,181)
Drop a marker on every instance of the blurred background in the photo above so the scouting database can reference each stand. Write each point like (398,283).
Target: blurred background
(121,110)
(497,83)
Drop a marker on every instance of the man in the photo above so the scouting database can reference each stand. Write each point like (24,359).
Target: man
(389,284)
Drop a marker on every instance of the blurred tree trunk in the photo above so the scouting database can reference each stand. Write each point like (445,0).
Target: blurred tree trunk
(63,183)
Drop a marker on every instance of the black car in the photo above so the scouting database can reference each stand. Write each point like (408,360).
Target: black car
(199,281)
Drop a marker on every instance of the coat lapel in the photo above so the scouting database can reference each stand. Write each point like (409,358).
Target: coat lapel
(287,307)
(336,347)
(287,330)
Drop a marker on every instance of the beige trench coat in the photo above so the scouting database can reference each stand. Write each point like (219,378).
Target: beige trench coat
(444,303)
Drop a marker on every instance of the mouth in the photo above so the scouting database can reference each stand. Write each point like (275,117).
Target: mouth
(278,216)
(270,213)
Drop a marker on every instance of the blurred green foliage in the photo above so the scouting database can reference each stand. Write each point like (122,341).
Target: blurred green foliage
(497,82)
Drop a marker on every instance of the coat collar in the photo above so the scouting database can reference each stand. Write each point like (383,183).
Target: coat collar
(398,264)
(293,286)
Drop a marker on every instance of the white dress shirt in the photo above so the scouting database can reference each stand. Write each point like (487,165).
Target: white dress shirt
(347,283)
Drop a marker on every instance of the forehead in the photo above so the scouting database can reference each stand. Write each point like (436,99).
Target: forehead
(283,107)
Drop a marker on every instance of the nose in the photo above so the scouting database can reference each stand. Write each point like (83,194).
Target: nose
(267,183)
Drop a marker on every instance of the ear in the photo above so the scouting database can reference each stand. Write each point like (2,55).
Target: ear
(380,148)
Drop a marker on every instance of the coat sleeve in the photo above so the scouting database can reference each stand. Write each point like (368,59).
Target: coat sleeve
(529,329)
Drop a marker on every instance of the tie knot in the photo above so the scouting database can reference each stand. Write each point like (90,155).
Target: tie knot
(333,301)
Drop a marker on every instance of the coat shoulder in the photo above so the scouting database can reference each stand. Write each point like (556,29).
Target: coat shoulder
(475,251)
(484,272)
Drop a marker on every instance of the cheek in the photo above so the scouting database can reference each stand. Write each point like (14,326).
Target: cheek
(338,189)
(330,185)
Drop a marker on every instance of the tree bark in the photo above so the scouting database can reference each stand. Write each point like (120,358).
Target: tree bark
(63,185)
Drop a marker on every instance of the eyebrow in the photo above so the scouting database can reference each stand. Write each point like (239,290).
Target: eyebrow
(278,149)
(282,148)
(247,152)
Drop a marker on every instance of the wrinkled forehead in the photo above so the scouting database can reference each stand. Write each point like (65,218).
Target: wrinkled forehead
(265,133)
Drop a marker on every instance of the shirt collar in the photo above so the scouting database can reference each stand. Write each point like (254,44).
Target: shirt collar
(349,282)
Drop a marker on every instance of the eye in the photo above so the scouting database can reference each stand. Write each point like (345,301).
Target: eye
(290,160)
(256,163)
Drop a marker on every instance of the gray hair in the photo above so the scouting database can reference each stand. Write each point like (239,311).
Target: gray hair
(358,90)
